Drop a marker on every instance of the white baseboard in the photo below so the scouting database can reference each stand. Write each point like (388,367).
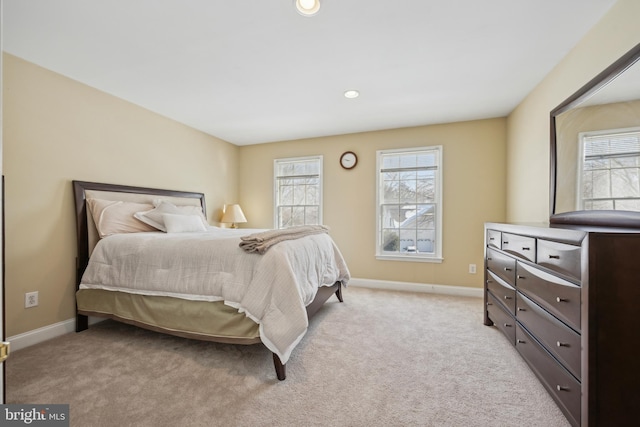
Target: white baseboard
(461,291)
(45,333)
(57,329)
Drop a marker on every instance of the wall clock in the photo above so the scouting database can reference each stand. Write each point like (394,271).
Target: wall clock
(348,160)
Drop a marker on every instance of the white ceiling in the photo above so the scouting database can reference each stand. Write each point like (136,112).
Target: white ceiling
(255,71)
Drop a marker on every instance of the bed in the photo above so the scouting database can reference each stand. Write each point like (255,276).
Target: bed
(168,271)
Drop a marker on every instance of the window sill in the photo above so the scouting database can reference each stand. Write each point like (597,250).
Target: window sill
(409,258)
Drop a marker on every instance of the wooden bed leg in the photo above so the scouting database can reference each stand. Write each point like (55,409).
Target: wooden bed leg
(82,322)
(280,368)
(339,293)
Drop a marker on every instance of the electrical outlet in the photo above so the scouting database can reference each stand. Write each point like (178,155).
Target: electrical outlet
(472,269)
(31,299)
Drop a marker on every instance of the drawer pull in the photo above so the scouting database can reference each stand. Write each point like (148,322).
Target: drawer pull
(562,388)
(522,309)
(492,238)
(488,304)
(508,325)
(489,259)
(489,281)
(521,341)
(562,344)
(561,299)
(507,297)
(526,249)
(507,269)
(505,243)
(521,277)
(554,256)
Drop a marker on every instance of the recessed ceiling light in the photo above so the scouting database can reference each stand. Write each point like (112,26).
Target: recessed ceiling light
(307,7)
(352,93)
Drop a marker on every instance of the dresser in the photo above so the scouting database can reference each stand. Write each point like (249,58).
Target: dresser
(568,299)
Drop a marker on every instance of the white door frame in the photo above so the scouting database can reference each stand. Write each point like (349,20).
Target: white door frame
(2,337)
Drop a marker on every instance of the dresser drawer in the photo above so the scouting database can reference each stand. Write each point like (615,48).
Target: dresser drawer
(562,386)
(502,291)
(560,297)
(494,238)
(501,319)
(502,266)
(521,246)
(560,340)
(560,257)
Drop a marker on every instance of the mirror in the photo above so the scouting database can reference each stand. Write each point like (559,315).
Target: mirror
(595,150)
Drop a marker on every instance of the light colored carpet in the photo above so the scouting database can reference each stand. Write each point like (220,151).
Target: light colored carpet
(380,358)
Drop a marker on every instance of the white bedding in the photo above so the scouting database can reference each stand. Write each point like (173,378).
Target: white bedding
(272,289)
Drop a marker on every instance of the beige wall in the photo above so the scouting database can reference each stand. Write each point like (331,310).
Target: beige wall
(57,130)
(528,124)
(474,175)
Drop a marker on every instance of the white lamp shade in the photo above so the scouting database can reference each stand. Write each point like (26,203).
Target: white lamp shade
(233,214)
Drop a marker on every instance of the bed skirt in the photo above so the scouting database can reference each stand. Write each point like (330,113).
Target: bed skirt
(209,321)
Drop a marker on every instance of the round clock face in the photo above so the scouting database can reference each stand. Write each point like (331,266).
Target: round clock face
(348,160)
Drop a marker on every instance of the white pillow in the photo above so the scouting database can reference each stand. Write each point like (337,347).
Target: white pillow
(114,217)
(183,223)
(154,217)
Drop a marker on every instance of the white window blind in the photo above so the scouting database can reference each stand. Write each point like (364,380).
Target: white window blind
(610,172)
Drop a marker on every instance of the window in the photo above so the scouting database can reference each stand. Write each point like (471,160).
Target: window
(298,191)
(610,170)
(409,199)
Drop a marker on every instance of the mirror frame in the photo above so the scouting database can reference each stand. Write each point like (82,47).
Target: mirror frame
(611,218)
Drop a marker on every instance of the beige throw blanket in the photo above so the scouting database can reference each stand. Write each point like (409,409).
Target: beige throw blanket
(261,242)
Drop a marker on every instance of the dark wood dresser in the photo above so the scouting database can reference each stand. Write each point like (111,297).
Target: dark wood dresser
(568,299)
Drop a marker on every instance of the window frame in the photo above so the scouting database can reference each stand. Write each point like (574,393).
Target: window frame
(436,256)
(280,161)
(582,137)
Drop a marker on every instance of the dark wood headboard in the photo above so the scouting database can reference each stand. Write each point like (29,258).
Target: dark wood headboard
(80,189)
